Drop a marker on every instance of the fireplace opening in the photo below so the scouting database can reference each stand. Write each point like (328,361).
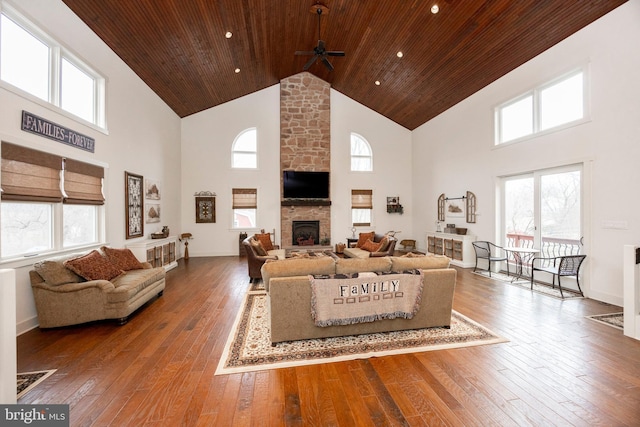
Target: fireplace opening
(305,233)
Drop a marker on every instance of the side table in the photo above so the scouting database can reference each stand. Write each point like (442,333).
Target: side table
(520,256)
(351,242)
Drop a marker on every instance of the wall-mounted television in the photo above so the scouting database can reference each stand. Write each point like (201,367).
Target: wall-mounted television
(305,185)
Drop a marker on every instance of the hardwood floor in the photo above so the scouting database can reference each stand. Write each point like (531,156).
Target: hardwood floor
(558,368)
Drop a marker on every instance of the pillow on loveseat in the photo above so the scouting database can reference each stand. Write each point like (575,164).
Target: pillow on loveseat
(370,246)
(364,237)
(54,273)
(122,259)
(265,240)
(93,266)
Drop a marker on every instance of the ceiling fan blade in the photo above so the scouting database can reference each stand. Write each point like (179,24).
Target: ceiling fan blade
(310,63)
(327,64)
(335,53)
(304,52)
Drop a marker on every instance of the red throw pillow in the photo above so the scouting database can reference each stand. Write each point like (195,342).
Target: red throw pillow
(93,266)
(122,259)
(265,239)
(370,246)
(363,238)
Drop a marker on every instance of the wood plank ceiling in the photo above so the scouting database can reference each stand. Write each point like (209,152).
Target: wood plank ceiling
(179,48)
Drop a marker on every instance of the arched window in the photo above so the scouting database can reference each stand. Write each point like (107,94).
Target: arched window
(244,151)
(361,155)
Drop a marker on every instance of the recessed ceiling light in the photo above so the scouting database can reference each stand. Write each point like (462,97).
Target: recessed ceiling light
(400,54)
(228,34)
(237,70)
(435,9)
(377,82)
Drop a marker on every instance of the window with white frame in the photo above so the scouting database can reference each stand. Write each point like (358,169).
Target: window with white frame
(49,203)
(361,154)
(245,150)
(361,207)
(49,71)
(245,207)
(553,105)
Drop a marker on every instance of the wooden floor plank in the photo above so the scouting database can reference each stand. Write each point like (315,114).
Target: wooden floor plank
(558,368)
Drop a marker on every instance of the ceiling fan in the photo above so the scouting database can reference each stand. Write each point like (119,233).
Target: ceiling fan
(319,52)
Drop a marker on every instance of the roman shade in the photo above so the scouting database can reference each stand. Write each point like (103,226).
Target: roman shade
(361,199)
(30,175)
(245,198)
(82,183)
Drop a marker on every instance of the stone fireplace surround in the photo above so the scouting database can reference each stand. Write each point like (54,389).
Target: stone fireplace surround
(305,145)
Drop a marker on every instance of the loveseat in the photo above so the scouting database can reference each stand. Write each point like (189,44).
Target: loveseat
(98,285)
(372,245)
(259,249)
(289,294)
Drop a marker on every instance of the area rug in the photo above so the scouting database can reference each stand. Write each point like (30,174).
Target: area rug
(248,347)
(28,380)
(615,320)
(525,283)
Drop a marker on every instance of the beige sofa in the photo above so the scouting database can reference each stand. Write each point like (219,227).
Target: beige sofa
(63,297)
(289,295)
(362,251)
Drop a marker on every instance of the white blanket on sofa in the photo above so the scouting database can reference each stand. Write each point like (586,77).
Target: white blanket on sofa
(345,299)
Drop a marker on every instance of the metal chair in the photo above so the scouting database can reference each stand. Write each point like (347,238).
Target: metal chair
(561,266)
(489,251)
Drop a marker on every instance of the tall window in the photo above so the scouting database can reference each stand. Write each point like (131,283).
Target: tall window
(43,193)
(549,106)
(361,154)
(245,207)
(48,71)
(543,210)
(245,150)
(361,207)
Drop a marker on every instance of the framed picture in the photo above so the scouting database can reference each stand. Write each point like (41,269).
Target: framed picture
(151,213)
(205,209)
(455,208)
(133,204)
(151,189)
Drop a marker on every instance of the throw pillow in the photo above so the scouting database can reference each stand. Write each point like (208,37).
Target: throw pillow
(370,246)
(93,266)
(122,259)
(55,273)
(258,248)
(265,239)
(363,237)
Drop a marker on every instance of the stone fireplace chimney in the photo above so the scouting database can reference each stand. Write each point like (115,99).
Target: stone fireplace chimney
(305,145)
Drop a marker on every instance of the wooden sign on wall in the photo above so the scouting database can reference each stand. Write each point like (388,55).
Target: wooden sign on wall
(39,126)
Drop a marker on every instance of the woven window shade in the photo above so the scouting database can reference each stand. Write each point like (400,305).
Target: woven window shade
(82,183)
(30,175)
(361,199)
(245,198)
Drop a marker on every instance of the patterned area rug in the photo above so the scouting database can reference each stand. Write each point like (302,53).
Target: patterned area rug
(28,380)
(615,320)
(248,347)
(526,284)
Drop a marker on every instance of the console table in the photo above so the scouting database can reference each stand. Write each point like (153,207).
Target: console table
(458,247)
(157,252)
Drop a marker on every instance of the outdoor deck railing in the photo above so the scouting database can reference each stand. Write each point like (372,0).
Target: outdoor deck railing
(551,246)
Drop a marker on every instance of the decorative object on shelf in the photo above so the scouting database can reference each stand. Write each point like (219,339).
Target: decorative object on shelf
(184,237)
(340,248)
(438,227)
(133,205)
(471,207)
(205,207)
(353,232)
(393,205)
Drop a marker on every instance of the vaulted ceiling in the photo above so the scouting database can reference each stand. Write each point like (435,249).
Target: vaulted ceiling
(179,47)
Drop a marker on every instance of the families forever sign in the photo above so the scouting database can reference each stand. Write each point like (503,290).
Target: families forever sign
(39,126)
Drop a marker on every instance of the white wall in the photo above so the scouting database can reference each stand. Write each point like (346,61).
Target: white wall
(454,152)
(206,154)
(143,134)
